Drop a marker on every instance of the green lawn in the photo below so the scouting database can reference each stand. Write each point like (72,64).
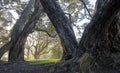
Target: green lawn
(44,61)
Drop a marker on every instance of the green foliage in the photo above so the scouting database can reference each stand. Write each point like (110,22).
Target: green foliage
(71,1)
(71,7)
(6,1)
(56,53)
(1,13)
(75,8)
(28,17)
(50,28)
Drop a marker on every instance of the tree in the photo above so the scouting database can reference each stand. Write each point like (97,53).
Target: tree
(17,29)
(97,39)
(62,26)
(56,51)
(15,53)
(37,44)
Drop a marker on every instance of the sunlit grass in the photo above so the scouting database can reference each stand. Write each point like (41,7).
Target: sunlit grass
(44,61)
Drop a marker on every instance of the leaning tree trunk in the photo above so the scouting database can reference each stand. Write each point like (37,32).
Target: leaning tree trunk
(101,38)
(17,50)
(63,28)
(17,29)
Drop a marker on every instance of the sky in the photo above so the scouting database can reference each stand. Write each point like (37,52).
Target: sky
(24,0)
(92,1)
(82,22)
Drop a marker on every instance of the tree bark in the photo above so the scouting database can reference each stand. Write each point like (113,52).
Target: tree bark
(102,35)
(17,29)
(15,53)
(63,28)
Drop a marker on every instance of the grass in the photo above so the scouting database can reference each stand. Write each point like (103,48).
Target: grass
(45,61)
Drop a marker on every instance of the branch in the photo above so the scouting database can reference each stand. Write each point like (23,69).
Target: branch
(70,19)
(42,47)
(86,8)
(32,52)
(49,50)
(52,36)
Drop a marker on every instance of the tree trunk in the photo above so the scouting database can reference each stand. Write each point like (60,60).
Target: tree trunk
(17,29)
(102,35)
(63,28)
(15,53)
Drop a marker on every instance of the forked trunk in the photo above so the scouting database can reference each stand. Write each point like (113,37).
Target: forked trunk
(16,53)
(17,29)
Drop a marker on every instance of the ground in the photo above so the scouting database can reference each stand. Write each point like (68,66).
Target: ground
(47,66)
(42,66)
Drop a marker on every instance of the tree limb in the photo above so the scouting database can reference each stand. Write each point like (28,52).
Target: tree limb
(43,30)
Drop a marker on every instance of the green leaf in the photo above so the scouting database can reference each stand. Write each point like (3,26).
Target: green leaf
(6,1)
(50,28)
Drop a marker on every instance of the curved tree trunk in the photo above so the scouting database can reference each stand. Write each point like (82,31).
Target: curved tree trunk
(16,53)
(63,28)
(101,38)
(17,29)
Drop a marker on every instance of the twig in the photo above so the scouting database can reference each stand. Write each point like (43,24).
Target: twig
(86,8)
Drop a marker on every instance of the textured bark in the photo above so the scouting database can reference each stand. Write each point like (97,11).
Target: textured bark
(17,29)
(62,26)
(15,53)
(102,35)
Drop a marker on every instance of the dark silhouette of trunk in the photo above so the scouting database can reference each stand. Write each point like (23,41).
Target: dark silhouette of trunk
(101,38)
(16,53)
(17,29)
(63,28)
